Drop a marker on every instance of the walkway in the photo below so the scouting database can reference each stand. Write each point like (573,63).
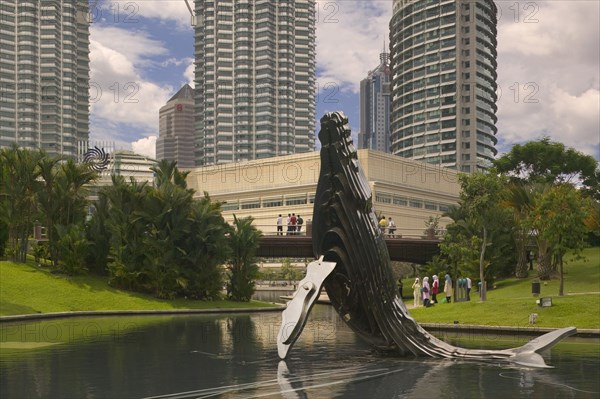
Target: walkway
(414,250)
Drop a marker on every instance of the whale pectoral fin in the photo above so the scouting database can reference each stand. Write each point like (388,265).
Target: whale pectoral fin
(529,354)
(295,315)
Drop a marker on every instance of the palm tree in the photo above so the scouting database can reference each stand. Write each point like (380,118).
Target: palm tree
(520,201)
(48,200)
(18,204)
(242,266)
(167,172)
(537,227)
(207,249)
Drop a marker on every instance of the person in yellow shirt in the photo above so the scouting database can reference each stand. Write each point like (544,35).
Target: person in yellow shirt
(383,224)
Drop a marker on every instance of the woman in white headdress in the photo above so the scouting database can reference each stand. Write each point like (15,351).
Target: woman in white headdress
(426,300)
(417,292)
(435,286)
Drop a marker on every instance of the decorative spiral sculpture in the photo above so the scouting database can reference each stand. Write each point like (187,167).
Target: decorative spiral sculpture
(96,158)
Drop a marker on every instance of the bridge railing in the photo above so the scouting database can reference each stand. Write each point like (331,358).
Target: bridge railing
(306,229)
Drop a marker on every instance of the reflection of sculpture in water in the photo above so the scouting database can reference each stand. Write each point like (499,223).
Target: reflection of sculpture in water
(361,286)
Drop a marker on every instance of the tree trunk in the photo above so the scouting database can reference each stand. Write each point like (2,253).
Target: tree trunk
(483,293)
(521,269)
(560,270)
(544,267)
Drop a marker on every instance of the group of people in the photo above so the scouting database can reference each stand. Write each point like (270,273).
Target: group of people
(425,294)
(389,225)
(294,224)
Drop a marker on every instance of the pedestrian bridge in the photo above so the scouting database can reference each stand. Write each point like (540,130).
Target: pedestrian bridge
(414,250)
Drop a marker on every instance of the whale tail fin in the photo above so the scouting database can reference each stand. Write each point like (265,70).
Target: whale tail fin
(295,315)
(529,354)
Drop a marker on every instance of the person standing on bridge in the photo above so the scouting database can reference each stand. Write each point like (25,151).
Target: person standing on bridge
(299,223)
(293,221)
(391,228)
(383,225)
(280,225)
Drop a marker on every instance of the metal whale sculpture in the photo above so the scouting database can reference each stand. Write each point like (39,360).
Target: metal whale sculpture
(354,267)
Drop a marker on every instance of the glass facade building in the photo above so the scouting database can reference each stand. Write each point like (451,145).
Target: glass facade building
(176,129)
(44,75)
(443,61)
(254,79)
(374,131)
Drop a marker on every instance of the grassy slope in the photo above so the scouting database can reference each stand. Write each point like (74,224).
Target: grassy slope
(511,303)
(26,289)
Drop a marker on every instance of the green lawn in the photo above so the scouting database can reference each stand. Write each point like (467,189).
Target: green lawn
(26,289)
(511,302)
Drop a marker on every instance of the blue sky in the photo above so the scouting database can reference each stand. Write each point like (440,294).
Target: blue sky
(548,65)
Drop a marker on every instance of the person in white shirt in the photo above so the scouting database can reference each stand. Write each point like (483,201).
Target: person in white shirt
(469,286)
(280,225)
(391,228)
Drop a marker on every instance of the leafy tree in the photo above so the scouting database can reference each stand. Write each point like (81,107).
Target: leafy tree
(242,266)
(545,161)
(73,181)
(559,219)
(73,247)
(62,198)
(3,237)
(520,201)
(593,223)
(207,250)
(167,172)
(480,199)
(127,254)
(49,201)
(289,272)
(98,236)
(18,202)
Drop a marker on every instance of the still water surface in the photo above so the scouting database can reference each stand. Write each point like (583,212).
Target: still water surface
(235,356)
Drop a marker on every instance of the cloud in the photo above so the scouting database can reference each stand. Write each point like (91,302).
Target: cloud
(189,72)
(145,146)
(548,73)
(547,52)
(131,12)
(350,37)
(120,94)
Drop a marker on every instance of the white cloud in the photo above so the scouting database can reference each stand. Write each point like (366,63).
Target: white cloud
(130,12)
(145,146)
(554,61)
(548,73)
(189,72)
(350,37)
(120,94)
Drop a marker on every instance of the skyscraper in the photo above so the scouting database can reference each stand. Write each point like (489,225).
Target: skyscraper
(374,131)
(176,129)
(254,78)
(443,60)
(44,73)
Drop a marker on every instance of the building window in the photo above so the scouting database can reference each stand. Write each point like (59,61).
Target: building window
(295,201)
(251,205)
(415,203)
(383,198)
(230,207)
(272,204)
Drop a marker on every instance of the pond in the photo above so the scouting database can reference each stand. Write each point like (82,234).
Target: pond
(235,356)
